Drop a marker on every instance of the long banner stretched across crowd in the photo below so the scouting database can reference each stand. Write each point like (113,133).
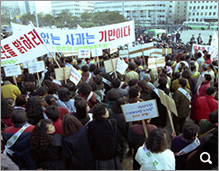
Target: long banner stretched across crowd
(103,37)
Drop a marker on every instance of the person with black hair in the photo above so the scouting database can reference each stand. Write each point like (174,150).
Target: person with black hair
(21,102)
(207,59)
(116,86)
(199,93)
(200,60)
(67,61)
(160,121)
(52,112)
(204,71)
(75,145)
(138,68)
(21,146)
(182,98)
(6,110)
(41,94)
(111,96)
(195,73)
(87,93)
(134,94)
(72,88)
(145,90)
(54,81)
(188,137)
(34,110)
(154,153)
(86,75)
(65,96)
(211,125)
(131,74)
(45,147)
(175,82)
(216,89)
(206,104)
(122,126)
(103,140)
(187,75)
(82,110)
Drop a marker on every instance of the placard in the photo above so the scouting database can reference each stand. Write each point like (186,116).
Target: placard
(168,102)
(75,76)
(160,61)
(83,53)
(140,111)
(60,75)
(110,65)
(27,62)
(113,50)
(12,70)
(97,52)
(121,66)
(35,67)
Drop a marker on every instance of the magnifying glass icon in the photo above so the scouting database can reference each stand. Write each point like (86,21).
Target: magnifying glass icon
(206,161)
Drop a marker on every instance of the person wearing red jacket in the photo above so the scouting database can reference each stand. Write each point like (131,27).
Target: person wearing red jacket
(208,59)
(205,105)
(199,93)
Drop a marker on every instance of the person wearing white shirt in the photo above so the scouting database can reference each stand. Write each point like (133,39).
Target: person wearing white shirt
(154,154)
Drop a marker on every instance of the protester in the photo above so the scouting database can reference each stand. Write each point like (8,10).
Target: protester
(46,149)
(184,144)
(154,153)
(116,86)
(102,138)
(19,146)
(6,110)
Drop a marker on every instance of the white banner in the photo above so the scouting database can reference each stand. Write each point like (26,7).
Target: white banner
(214,47)
(22,46)
(103,37)
(121,66)
(83,53)
(75,76)
(140,111)
(12,70)
(97,52)
(35,67)
(123,53)
(200,48)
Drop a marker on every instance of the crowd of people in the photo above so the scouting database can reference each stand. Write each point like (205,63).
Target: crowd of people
(58,125)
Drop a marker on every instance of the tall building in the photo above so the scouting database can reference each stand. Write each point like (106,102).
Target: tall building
(141,11)
(17,8)
(180,11)
(202,11)
(75,7)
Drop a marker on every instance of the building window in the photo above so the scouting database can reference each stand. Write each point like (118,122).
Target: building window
(193,13)
(205,13)
(210,7)
(201,19)
(206,7)
(201,13)
(189,13)
(194,7)
(215,6)
(177,11)
(197,13)
(202,7)
(209,13)
(178,3)
(214,13)
(197,19)
(194,1)
(190,7)
(193,19)
(198,7)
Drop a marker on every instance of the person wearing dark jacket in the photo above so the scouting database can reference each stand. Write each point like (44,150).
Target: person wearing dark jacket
(21,147)
(75,146)
(46,149)
(102,139)
(160,121)
(188,136)
(115,84)
(122,126)
(177,36)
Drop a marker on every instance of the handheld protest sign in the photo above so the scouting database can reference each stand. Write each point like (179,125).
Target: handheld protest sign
(75,76)
(97,52)
(12,71)
(121,66)
(27,62)
(140,111)
(167,102)
(114,68)
(84,53)
(109,65)
(62,73)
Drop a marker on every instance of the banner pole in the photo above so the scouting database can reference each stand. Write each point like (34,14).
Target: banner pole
(171,120)
(46,46)
(113,68)
(144,58)
(145,129)
(38,78)
(15,81)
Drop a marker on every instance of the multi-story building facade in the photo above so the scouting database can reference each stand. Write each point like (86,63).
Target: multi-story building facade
(201,11)
(147,11)
(75,7)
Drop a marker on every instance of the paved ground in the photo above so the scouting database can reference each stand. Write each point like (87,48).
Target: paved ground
(186,35)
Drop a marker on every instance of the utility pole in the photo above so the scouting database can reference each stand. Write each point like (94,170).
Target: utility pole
(37,24)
